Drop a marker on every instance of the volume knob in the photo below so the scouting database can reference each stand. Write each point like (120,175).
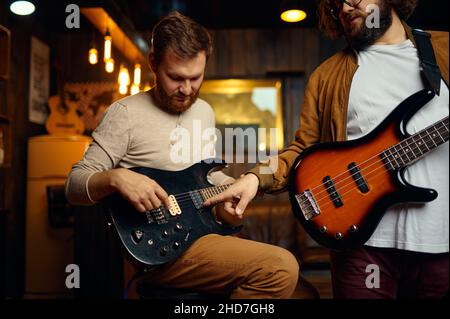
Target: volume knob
(164,250)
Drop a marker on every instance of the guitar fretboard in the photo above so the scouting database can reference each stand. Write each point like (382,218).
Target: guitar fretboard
(416,146)
(210,192)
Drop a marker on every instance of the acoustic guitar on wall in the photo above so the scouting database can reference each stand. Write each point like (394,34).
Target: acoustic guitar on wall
(63,118)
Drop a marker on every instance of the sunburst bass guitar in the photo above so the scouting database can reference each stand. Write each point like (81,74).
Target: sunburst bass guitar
(340,191)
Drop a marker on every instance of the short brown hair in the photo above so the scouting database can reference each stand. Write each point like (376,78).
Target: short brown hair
(332,27)
(185,37)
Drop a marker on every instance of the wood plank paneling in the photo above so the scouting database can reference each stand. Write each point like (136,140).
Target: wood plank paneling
(254,52)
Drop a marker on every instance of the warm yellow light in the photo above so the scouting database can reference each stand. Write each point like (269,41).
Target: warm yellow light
(124,76)
(109,65)
(108,42)
(134,89)
(147,87)
(293,15)
(137,74)
(123,89)
(93,56)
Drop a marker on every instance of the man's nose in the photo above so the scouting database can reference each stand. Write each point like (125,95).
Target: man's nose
(186,87)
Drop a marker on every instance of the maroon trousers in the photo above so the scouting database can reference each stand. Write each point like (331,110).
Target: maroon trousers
(382,273)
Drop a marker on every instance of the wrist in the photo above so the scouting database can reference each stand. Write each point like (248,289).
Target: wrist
(114,177)
(255,181)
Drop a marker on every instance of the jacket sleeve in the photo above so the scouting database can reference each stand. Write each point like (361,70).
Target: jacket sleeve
(274,174)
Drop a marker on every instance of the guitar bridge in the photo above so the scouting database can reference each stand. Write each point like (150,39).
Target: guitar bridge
(308,204)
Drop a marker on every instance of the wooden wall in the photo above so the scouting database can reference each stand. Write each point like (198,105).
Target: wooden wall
(14,97)
(289,55)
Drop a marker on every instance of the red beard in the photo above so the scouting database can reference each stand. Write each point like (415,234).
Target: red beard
(175,103)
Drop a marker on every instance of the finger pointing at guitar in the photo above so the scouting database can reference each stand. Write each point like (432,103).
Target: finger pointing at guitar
(238,195)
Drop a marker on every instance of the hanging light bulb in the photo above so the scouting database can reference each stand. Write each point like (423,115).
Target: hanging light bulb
(107,46)
(124,76)
(93,56)
(123,79)
(109,65)
(137,74)
(123,89)
(134,89)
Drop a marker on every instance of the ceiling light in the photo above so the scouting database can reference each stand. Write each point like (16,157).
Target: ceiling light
(293,10)
(293,15)
(22,8)
(109,65)
(93,56)
(107,46)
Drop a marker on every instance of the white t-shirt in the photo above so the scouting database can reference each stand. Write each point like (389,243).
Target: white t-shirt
(386,76)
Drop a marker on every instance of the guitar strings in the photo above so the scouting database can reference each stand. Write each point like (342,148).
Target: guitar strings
(209,190)
(186,197)
(388,149)
(367,174)
(362,168)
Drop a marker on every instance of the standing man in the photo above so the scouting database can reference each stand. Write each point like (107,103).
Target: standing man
(348,96)
(136,131)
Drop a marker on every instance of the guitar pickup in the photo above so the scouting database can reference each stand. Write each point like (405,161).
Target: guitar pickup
(174,208)
(359,179)
(332,192)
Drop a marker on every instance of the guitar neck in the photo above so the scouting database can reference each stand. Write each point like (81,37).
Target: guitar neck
(209,192)
(416,146)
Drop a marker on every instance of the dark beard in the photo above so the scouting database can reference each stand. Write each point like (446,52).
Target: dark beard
(365,36)
(165,101)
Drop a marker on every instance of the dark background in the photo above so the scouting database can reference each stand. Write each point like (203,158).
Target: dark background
(250,42)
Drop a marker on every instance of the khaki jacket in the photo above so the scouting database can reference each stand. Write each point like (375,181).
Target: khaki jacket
(323,115)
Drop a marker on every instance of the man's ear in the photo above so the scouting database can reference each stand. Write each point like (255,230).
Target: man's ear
(152,62)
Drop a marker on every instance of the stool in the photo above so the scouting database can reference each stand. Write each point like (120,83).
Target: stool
(147,291)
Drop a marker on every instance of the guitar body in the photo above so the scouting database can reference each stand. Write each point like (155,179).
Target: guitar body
(63,118)
(350,212)
(157,237)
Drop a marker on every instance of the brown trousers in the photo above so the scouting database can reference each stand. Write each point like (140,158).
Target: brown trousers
(230,265)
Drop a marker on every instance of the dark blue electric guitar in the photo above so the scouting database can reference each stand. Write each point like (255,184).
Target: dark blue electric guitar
(161,235)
